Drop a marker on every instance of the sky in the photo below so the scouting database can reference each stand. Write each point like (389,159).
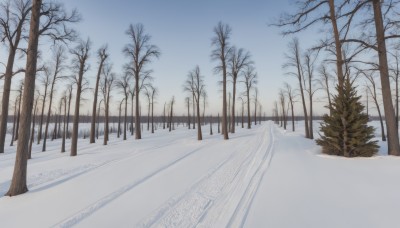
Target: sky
(183,31)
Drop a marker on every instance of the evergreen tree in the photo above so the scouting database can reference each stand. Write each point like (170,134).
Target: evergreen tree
(349,136)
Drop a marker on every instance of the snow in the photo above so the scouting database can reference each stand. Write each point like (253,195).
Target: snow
(261,177)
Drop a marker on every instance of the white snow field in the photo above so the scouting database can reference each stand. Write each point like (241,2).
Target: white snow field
(262,177)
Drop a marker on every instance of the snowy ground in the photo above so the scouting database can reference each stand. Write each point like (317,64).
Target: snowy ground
(263,177)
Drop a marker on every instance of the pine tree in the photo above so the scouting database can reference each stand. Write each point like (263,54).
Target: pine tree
(350,136)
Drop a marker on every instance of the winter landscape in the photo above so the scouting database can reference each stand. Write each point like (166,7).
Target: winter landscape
(201,114)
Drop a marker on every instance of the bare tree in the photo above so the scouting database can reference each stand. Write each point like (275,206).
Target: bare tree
(46,81)
(153,95)
(238,60)
(242,118)
(164,118)
(294,60)
(291,96)
(204,98)
(13,17)
(220,53)
(106,88)
(81,55)
(14,120)
(20,90)
(142,52)
(98,119)
(33,126)
(372,90)
(64,133)
(18,182)
(396,76)
(132,94)
(123,85)
(102,55)
(119,118)
(188,111)
(147,93)
(195,85)
(250,79)
(171,113)
(255,104)
(59,57)
(309,62)
(282,101)
(70,87)
(393,134)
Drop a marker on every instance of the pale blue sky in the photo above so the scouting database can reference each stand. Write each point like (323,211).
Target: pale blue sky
(183,31)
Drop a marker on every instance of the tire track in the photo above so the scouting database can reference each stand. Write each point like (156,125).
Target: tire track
(84,213)
(240,214)
(189,208)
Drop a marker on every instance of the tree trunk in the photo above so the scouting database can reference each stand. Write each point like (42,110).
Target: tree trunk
(199,134)
(194,110)
(132,103)
(119,120)
(188,105)
(96,91)
(18,182)
(64,134)
(6,98)
(41,116)
(392,134)
(233,105)
(14,121)
(18,117)
(248,109)
(69,108)
(219,122)
(152,116)
(211,132)
(125,117)
(106,128)
(138,133)
(32,130)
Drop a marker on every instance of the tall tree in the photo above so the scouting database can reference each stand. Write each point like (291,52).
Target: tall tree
(20,90)
(309,62)
(153,95)
(291,96)
(13,16)
(50,27)
(123,85)
(282,101)
(195,85)
(238,60)
(221,53)
(188,111)
(392,133)
(18,182)
(294,60)
(372,90)
(33,126)
(106,87)
(80,56)
(142,53)
(250,79)
(46,81)
(102,55)
(64,133)
(255,105)
(56,72)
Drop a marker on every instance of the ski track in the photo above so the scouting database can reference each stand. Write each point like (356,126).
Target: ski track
(239,217)
(42,180)
(84,213)
(191,208)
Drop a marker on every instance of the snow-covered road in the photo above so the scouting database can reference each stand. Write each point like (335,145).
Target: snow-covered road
(164,180)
